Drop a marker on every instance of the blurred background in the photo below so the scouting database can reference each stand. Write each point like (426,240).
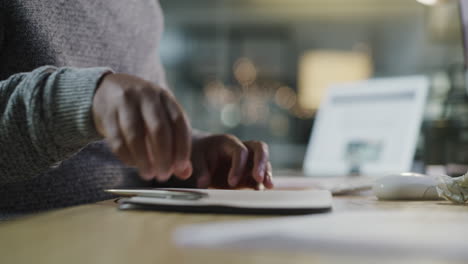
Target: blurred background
(259,68)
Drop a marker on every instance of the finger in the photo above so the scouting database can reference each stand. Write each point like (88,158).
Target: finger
(239,155)
(182,137)
(115,139)
(249,182)
(204,180)
(268,182)
(133,131)
(260,159)
(159,134)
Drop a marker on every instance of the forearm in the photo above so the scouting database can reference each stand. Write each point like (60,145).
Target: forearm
(45,116)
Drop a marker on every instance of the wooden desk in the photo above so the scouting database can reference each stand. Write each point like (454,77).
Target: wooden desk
(99,233)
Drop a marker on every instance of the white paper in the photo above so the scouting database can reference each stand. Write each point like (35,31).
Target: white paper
(420,233)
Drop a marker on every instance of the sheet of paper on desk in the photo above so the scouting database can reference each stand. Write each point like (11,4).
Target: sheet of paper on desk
(391,233)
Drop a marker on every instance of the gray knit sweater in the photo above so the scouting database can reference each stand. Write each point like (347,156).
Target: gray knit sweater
(45,111)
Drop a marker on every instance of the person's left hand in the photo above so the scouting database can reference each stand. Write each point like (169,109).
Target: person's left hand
(223,161)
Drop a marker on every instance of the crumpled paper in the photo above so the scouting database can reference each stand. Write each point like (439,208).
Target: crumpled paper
(454,189)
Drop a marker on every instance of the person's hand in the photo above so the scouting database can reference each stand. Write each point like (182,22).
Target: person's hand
(144,126)
(223,161)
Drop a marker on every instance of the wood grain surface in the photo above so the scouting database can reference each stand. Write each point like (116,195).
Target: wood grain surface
(100,233)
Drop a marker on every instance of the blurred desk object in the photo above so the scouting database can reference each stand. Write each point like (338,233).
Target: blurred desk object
(344,185)
(100,233)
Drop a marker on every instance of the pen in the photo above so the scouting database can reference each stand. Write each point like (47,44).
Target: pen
(159,193)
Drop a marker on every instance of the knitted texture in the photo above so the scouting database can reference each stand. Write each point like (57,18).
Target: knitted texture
(79,179)
(121,34)
(45,116)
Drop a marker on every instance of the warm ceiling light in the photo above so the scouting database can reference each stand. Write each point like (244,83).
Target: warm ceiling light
(318,69)
(428,2)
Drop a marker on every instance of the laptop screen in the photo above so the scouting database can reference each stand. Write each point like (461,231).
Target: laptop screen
(464,24)
(369,127)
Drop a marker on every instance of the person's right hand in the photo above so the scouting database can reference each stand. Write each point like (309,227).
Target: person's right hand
(144,126)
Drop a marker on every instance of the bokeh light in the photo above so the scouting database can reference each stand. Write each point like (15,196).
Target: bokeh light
(245,71)
(218,95)
(285,97)
(231,115)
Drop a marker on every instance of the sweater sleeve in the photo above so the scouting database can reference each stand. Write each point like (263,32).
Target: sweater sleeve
(2,29)
(45,117)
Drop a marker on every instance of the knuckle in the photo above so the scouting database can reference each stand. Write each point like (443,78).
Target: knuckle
(175,112)
(132,136)
(166,95)
(116,145)
(258,144)
(242,150)
(148,90)
(129,95)
(154,128)
(264,149)
(119,94)
(229,136)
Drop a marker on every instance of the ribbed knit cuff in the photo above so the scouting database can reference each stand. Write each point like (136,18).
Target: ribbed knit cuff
(74,90)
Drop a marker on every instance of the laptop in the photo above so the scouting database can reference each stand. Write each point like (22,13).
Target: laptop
(367,129)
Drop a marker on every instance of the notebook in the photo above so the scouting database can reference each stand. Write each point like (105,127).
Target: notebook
(274,202)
